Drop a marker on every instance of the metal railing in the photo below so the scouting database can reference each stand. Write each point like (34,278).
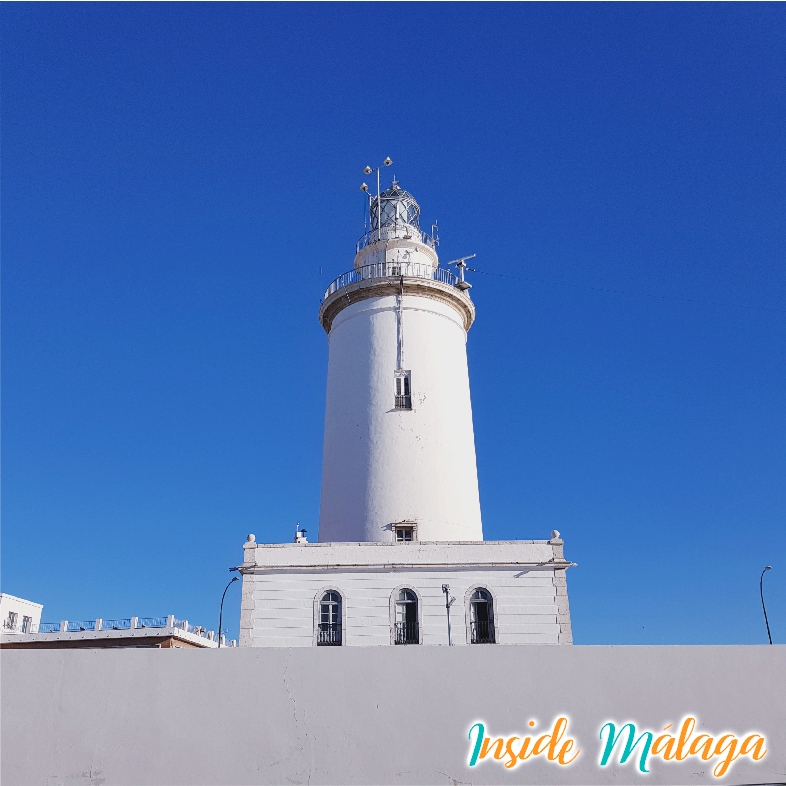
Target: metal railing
(481,632)
(197,630)
(123,624)
(152,622)
(398,229)
(403,402)
(407,633)
(74,627)
(127,623)
(329,634)
(392,270)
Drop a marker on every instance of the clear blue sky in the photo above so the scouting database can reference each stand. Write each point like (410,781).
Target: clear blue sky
(174,177)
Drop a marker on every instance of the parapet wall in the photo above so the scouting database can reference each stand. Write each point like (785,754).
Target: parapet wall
(387,714)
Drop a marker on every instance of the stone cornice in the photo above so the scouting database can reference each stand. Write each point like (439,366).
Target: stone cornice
(474,555)
(382,287)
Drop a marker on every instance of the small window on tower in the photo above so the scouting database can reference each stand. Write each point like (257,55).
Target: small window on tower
(403,390)
(404,533)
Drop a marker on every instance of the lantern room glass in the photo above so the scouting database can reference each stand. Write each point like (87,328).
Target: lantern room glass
(397,206)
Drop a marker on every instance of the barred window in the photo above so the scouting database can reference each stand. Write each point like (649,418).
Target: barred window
(329,632)
(407,618)
(481,617)
(403,390)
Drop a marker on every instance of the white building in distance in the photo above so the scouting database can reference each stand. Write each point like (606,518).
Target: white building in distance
(401,558)
(163,632)
(19,615)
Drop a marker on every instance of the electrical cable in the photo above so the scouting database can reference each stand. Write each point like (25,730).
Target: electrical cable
(627,294)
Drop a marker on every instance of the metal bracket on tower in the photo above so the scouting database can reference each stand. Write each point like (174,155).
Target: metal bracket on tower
(449,601)
(400,327)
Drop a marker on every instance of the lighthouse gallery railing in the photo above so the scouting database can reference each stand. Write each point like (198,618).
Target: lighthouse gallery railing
(391,269)
(395,230)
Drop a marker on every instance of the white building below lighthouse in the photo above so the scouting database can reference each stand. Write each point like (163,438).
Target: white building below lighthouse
(401,558)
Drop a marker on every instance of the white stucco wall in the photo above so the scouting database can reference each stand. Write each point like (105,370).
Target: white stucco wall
(283,583)
(373,715)
(382,465)
(394,248)
(22,608)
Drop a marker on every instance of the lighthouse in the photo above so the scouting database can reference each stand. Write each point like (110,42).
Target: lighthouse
(400,558)
(399,447)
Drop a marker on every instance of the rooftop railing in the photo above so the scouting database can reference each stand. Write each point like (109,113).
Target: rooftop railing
(152,622)
(399,229)
(123,624)
(390,270)
(73,627)
(126,623)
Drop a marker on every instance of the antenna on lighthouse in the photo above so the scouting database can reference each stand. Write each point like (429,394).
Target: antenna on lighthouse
(461,264)
(367,171)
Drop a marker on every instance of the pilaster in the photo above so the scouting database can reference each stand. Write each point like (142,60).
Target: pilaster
(561,591)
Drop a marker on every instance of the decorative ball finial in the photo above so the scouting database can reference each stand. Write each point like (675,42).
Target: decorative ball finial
(251,538)
(555,534)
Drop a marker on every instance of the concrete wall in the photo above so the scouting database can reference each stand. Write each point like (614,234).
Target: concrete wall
(283,583)
(373,715)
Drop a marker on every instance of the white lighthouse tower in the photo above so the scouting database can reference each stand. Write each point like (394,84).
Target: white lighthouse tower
(399,450)
(401,558)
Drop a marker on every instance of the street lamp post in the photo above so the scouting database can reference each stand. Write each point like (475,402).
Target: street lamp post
(763,608)
(448,603)
(221,613)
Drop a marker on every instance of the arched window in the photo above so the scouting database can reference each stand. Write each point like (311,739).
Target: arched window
(407,618)
(329,630)
(481,617)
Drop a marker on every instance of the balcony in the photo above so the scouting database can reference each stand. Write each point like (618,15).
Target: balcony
(407,633)
(482,632)
(391,270)
(403,402)
(329,635)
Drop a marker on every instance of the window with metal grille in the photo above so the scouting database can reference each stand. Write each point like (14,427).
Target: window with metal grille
(403,390)
(27,624)
(329,626)
(481,617)
(10,623)
(407,618)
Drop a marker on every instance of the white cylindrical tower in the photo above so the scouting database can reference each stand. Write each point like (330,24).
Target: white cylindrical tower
(399,452)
